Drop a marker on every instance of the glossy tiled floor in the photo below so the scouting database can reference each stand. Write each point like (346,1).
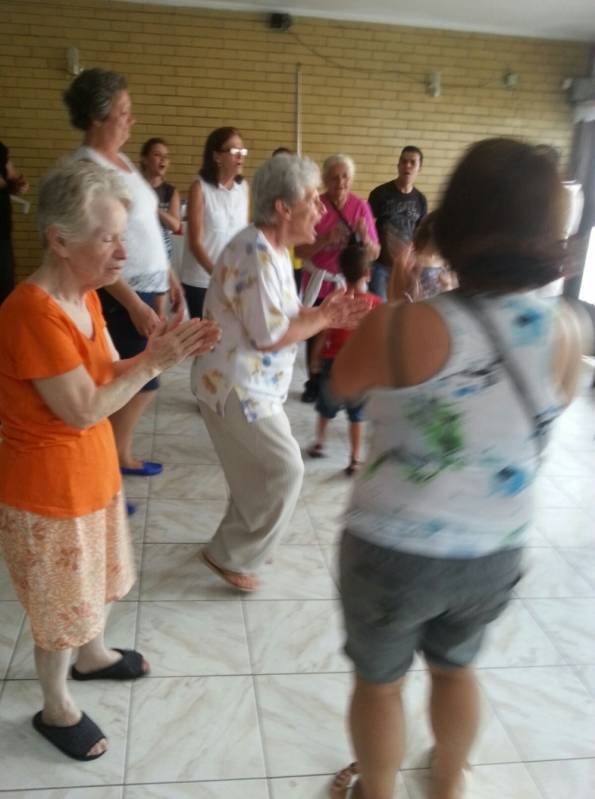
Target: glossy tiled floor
(247,695)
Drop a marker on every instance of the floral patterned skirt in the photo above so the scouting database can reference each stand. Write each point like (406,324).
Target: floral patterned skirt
(65,570)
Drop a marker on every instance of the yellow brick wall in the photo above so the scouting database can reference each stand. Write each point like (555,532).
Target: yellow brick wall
(191,70)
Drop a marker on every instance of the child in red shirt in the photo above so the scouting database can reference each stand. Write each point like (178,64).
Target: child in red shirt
(355,268)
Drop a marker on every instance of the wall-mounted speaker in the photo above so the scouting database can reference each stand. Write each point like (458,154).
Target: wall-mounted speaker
(280,22)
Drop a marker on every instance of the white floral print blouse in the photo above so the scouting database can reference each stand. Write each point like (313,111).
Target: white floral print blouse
(252,296)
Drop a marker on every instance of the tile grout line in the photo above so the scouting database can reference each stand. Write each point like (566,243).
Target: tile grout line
(5,679)
(255,694)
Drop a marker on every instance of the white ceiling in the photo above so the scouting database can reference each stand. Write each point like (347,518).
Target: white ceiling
(549,19)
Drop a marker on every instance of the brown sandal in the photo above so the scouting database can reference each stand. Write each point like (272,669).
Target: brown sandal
(242,582)
(343,781)
(316,451)
(353,467)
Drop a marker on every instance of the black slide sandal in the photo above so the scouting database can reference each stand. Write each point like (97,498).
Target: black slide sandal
(74,741)
(129,667)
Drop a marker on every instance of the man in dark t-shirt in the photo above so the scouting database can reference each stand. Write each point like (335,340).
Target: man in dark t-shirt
(398,207)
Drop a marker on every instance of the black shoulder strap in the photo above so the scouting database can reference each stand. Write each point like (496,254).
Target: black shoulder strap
(342,218)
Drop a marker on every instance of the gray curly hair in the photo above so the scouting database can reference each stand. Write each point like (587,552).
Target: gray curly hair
(283,177)
(68,193)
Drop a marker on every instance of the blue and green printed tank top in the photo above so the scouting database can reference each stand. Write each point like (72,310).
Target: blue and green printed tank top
(453,460)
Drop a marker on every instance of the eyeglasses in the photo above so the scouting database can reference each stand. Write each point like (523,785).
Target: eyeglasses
(236,151)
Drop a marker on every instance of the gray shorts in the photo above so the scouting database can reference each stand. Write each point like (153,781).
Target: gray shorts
(396,604)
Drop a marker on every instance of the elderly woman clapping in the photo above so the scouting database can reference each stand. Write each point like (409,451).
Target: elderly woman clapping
(345,217)
(242,384)
(63,527)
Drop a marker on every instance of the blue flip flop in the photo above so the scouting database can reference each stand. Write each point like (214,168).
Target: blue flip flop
(148,469)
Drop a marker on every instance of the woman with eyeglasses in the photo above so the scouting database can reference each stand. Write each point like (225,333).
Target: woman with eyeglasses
(217,210)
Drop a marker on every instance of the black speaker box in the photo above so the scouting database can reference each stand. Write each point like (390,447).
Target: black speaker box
(280,22)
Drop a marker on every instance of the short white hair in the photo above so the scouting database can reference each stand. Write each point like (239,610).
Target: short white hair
(283,177)
(338,158)
(67,194)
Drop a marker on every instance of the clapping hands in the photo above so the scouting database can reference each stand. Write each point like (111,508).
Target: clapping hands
(344,310)
(174,341)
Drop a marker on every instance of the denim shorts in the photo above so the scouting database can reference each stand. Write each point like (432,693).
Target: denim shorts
(127,340)
(327,405)
(396,604)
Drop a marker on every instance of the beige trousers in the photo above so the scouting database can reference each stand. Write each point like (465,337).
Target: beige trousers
(264,469)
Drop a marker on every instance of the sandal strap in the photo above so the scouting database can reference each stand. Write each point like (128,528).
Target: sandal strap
(129,667)
(74,741)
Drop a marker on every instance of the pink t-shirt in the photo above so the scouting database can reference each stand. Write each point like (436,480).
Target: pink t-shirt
(328,259)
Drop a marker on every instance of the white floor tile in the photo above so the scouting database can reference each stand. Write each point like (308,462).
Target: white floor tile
(547,711)
(179,422)
(238,789)
(11,619)
(317,787)
(303,722)
(135,487)
(193,728)
(175,571)
(184,449)
(549,575)
(104,792)
(180,521)
(295,636)
(193,638)
(570,623)
(297,572)
(583,560)
(516,639)
(566,527)
(189,481)
(587,677)
(565,779)
(506,781)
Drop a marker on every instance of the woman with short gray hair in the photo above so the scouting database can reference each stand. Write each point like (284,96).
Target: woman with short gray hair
(242,384)
(99,104)
(346,218)
(63,526)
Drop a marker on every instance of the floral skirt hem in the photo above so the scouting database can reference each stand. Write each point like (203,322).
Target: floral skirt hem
(65,570)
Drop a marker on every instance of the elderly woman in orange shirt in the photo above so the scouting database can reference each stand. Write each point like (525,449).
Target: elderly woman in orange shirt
(63,528)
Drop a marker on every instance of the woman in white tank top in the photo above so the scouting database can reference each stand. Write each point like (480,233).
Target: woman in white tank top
(217,210)
(99,105)
(463,390)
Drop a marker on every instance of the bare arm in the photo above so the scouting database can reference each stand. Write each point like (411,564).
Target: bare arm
(574,336)
(309,322)
(171,217)
(372,247)
(75,399)
(338,310)
(196,207)
(419,341)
